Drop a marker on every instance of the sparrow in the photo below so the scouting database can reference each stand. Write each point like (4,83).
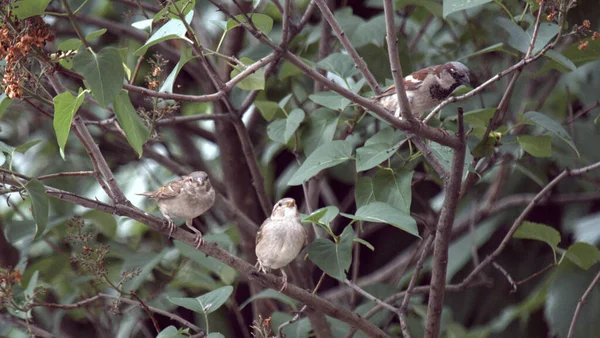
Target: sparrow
(426,88)
(186,197)
(280,238)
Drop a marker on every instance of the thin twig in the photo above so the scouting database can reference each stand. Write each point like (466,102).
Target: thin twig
(343,37)
(507,276)
(413,281)
(580,304)
(546,268)
(538,197)
(370,297)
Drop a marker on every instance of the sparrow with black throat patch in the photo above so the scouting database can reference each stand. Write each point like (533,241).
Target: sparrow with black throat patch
(280,238)
(426,88)
(186,197)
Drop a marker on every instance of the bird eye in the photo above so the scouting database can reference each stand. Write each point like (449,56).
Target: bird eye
(279,204)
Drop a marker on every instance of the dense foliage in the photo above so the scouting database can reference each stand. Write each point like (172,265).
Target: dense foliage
(480,222)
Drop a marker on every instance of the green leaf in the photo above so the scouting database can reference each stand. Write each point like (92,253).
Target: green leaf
(320,128)
(268,109)
(391,187)
(298,329)
(539,232)
(95,34)
(479,117)
(446,154)
(226,273)
(562,63)
(173,29)
(144,25)
(135,130)
(566,287)
(520,39)
(271,294)
(584,255)
(326,156)
(4,102)
(340,64)
(452,6)
(322,216)
(186,55)
(364,192)
(288,69)
(394,188)
(215,335)
(380,212)
(539,119)
(431,6)
(24,147)
(263,22)
(497,47)
(205,304)
(255,81)
(65,107)
(334,259)
(282,130)
(538,146)
(170,332)
(39,205)
(103,73)
(330,99)
(370,32)
(27,8)
(104,222)
(371,156)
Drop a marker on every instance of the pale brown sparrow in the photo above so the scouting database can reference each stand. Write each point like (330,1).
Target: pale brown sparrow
(186,197)
(426,88)
(280,238)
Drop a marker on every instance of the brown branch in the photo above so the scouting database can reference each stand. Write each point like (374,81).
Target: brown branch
(247,271)
(442,237)
(396,68)
(580,304)
(411,285)
(341,35)
(147,310)
(435,134)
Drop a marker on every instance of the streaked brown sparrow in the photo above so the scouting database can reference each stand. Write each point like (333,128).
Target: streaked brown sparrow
(186,197)
(280,238)
(428,87)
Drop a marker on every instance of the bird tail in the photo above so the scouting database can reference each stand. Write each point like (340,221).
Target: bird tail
(149,194)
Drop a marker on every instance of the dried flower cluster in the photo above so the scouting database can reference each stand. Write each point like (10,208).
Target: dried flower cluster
(91,259)
(8,279)
(16,40)
(155,78)
(584,30)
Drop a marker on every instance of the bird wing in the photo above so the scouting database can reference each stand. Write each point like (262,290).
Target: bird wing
(259,233)
(411,82)
(169,190)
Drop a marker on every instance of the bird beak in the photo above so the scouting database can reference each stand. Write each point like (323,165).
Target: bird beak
(464,80)
(291,204)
